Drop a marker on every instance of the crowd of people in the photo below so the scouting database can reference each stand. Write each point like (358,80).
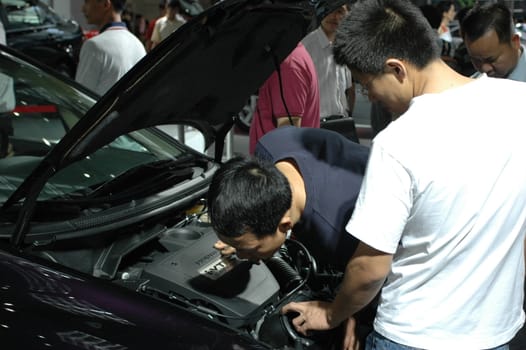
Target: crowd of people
(427,225)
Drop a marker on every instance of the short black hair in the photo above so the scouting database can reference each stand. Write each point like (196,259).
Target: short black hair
(376,30)
(118,5)
(432,14)
(248,194)
(462,13)
(174,4)
(483,18)
(444,6)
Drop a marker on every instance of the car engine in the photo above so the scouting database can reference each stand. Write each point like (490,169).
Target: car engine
(185,269)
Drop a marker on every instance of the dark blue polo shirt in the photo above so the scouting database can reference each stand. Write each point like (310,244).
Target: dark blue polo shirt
(332,168)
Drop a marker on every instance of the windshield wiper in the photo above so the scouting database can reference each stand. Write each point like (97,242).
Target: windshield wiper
(142,180)
(137,182)
(134,183)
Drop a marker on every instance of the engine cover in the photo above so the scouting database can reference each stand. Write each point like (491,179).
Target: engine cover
(236,290)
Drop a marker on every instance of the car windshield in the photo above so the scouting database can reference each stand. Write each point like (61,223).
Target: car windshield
(37,109)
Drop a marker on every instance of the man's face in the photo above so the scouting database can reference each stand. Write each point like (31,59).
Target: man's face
(94,11)
(385,90)
(249,246)
(490,56)
(171,12)
(331,22)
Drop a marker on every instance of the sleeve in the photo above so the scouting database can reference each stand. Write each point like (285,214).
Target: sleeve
(149,31)
(384,203)
(262,153)
(88,70)
(295,85)
(348,78)
(156,34)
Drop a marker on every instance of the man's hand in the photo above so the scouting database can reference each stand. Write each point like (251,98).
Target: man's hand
(350,341)
(224,248)
(313,315)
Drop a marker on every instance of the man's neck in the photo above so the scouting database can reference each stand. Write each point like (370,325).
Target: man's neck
(437,77)
(114,17)
(297,187)
(330,35)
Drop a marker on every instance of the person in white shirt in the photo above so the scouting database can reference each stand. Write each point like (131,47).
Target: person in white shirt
(106,57)
(167,24)
(337,92)
(447,10)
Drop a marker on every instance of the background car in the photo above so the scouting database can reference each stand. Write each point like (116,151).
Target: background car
(38,31)
(104,233)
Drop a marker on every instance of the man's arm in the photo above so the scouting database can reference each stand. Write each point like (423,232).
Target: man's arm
(156,34)
(350,93)
(284,121)
(89,67)
(364,277)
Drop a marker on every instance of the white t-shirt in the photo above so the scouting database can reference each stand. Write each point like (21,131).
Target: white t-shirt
(106,57)
(164,27)
(333,79)
(445,192)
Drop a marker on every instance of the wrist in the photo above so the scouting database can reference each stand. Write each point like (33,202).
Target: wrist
(333,318)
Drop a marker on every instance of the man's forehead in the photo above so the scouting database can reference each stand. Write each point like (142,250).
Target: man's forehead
(488,40)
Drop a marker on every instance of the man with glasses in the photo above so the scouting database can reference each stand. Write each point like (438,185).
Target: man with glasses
(492,42)
(441,214)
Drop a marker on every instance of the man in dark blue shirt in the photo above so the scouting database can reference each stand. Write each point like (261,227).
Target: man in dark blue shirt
(301,179)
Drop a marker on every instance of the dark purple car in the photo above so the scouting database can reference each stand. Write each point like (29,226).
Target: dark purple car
(104,237)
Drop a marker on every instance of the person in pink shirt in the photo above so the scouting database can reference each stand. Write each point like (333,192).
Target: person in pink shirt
(295,100)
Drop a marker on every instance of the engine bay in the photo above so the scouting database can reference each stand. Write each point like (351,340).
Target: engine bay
(174,260)
(247,296)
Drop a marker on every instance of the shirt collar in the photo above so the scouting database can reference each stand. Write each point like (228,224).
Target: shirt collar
(117,25)
(519,72)
(322,37)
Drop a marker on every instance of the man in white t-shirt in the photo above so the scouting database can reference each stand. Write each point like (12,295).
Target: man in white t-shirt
(167,24)
(106,57)
(442,209)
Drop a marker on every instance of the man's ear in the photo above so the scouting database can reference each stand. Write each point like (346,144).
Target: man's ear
(285,224)
(397,68)
(516,41)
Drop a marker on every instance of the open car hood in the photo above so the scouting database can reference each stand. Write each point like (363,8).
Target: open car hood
(201,75)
